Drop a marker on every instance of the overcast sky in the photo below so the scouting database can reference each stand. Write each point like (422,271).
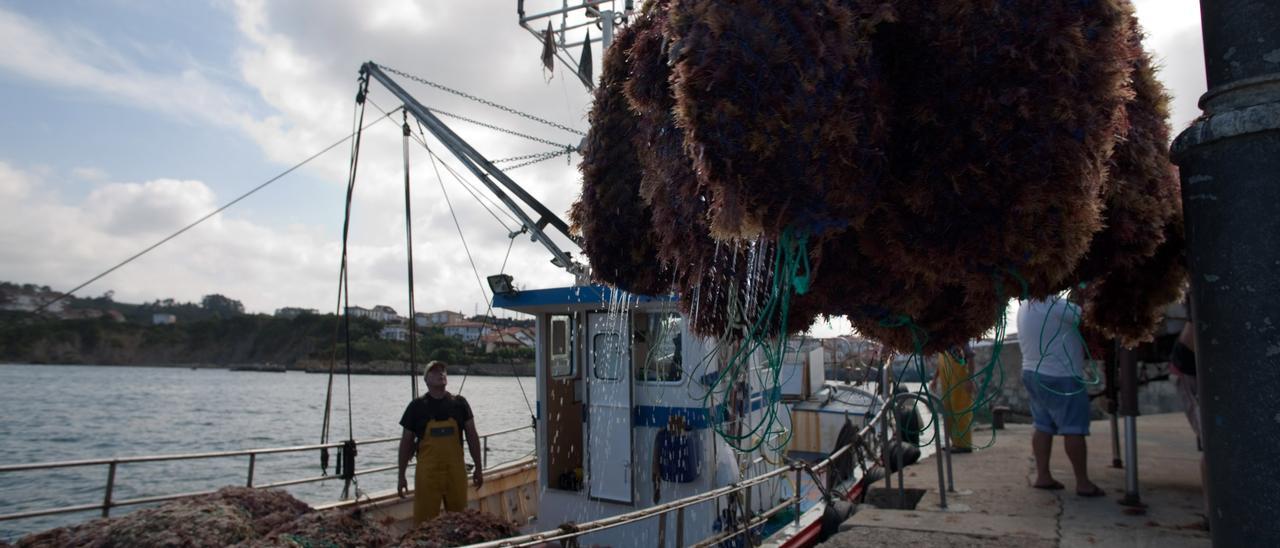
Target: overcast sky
(127,119)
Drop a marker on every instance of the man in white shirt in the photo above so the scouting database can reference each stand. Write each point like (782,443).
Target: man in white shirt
(1052,367)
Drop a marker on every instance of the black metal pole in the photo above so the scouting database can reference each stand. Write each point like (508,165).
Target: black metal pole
(1109,368)
(1230,169)
(1127,363)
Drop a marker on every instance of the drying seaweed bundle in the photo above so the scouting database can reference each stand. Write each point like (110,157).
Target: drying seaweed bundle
(229,516)
(1127,303)
(1141,196)
(719,281)
(339,527)
(458,529)
(942,156)
(615,225)
(779,112)
(1005,115)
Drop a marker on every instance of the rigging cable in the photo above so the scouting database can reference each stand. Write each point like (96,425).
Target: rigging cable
(166,239)
(408,230)
(481,101)
(347,463)
(466,186)
(475,271)
(421,139)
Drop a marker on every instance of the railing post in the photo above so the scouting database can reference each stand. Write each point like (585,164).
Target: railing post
(939,435)
(680,526)
(946,439)
(111,485)
(797,493)
(253,458)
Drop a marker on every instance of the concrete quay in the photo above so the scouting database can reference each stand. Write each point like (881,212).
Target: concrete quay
(994,504)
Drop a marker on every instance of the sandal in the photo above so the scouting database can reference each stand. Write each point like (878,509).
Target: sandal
(1054,486)
(1096,492)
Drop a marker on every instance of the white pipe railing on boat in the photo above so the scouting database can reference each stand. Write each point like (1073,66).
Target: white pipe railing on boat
(678,505)
(113,463)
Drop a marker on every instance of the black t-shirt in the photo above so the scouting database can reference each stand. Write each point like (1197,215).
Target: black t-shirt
(427,408)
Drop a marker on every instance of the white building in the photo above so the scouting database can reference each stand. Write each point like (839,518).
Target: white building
(394,333)
(465,330)
(359,312)
(30,302)
(385,314)
(162,318)
(438,318)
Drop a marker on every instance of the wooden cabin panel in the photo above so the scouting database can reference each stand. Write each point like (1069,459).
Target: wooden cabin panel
(563,421)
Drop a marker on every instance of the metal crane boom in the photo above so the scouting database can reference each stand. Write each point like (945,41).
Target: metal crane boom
(487,173)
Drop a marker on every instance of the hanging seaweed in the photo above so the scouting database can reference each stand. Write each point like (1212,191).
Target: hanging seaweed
(1004,118)
(615,224)
(1127,304)
(1141,191)
(780,112)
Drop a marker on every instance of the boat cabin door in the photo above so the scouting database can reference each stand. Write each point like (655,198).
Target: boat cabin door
(609,467)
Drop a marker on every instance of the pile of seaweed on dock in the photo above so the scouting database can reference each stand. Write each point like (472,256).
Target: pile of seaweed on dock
(246,517)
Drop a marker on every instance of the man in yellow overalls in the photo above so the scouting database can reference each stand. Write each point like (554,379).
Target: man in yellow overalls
(433,428)
(954,384)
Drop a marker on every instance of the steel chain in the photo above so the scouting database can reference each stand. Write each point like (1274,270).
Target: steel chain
(497,128)
(480,100)
(548,156)
(529,156)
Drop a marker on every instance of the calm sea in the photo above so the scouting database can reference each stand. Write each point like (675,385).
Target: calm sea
(58,413)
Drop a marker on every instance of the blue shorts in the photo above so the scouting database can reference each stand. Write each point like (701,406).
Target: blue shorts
(1052,412)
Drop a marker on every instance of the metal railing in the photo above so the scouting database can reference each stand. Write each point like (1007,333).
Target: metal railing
(865,438)
(113,464)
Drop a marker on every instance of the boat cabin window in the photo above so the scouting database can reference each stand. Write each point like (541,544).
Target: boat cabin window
(607,349)
(561,350)
(658,344)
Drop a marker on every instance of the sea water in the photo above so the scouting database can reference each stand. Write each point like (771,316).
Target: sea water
(59,413)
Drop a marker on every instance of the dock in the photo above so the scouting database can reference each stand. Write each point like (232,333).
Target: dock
(994,504)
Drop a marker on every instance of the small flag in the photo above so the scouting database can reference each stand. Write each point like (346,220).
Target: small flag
(584,63)
(548,48)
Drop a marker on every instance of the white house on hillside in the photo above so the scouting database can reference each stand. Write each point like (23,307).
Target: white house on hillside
(394,333)
(465,330)
(438,318)
(359,312)
(161,318)
(384,314)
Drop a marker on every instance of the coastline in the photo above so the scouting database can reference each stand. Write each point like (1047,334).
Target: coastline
(320,367)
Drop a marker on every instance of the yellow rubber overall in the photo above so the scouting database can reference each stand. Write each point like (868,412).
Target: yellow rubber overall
(953,386)
(439,473)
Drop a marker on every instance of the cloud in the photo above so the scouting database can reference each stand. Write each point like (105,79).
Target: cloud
(91,174)
(79,59)
(148,209)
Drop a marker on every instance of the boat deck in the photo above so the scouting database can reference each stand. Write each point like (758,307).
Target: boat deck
(995,506)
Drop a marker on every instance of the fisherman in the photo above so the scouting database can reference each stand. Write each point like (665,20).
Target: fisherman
(1052,366)
(955,386)
(433,428)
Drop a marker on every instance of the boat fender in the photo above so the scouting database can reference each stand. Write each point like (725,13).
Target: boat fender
(842,466)
(904,454)
(873,475)
(836,513)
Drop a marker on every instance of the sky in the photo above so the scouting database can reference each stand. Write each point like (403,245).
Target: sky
(128,119)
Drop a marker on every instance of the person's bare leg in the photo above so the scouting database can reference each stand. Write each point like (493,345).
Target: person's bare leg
(1078,453)
(1042,448)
